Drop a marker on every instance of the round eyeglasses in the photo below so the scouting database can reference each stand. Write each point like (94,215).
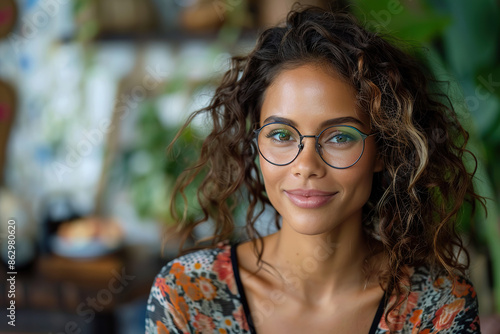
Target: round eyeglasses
(339,146)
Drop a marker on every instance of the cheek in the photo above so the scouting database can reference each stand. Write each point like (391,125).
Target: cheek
(353,177)
(267,172)
(360,177)
(271,176)
(357,186)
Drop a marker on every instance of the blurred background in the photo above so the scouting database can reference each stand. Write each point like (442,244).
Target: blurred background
(93,91)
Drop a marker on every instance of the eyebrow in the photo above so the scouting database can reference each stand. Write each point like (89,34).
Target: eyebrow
(328,122)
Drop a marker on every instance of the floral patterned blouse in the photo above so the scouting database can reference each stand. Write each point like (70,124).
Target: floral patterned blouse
(201,292)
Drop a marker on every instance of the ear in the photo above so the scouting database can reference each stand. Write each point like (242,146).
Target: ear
(379,164)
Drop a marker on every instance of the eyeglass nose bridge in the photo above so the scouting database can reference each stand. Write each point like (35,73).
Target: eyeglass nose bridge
(316,144)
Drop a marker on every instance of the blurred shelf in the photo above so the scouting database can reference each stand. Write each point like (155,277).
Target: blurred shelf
(88,272)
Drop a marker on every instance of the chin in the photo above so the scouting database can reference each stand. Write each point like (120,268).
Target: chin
(309,226)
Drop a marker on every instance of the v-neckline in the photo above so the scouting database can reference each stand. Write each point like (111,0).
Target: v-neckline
(246,308)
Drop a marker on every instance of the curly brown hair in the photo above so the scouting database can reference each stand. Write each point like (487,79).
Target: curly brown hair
(415,201)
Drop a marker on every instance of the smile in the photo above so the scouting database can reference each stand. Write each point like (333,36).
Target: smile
(309,199)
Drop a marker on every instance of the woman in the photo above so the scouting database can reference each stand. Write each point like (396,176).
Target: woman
(335,128)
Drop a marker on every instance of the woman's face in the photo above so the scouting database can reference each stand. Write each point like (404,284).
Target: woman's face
(312,197)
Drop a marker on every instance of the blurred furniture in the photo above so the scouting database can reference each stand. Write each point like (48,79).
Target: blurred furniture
(84,294)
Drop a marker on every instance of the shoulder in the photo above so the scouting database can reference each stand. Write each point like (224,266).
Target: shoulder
(440,287)
(197,291)
(435,303)
(444,302)
(199,275)
(199,263)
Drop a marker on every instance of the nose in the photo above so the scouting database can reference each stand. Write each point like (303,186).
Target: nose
(308,163)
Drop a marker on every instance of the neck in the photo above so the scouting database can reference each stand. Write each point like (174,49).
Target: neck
(318,266)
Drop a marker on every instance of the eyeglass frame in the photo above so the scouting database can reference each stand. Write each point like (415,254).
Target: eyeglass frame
(317,145)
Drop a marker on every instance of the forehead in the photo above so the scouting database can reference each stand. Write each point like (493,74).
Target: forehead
(309,95)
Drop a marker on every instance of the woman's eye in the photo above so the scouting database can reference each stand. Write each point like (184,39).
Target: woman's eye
(280,135)
(341,138)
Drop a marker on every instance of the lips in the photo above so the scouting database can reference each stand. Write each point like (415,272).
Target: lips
(309,198)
